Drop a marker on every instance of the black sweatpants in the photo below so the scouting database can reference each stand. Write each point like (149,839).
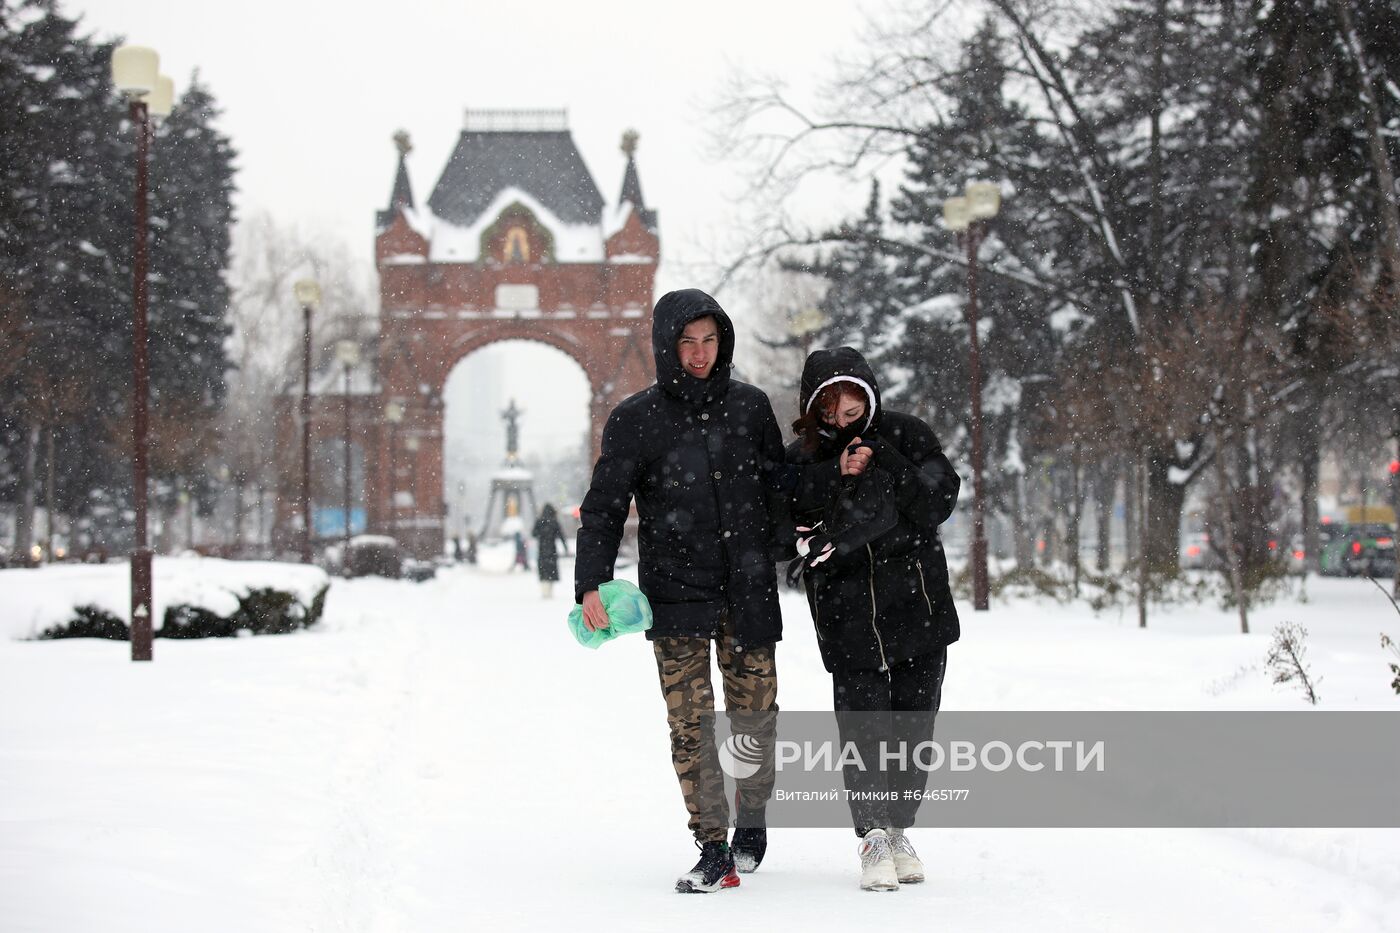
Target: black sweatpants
(884,709)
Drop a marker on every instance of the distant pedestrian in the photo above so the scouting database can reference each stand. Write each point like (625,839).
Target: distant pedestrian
(471,548)
(546,532)
(522,554)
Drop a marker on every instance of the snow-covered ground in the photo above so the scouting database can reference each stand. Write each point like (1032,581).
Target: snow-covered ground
(444,756)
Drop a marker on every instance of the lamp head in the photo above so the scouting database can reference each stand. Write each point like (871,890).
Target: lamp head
(134,70)
(307,292)
(957,214)
(983,199)
(162,97)
(347,352)
(808,321)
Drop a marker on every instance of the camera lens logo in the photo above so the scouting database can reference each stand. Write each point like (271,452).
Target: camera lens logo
(741,756)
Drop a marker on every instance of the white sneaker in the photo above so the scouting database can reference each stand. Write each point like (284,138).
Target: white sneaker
(877,871)
(907,867)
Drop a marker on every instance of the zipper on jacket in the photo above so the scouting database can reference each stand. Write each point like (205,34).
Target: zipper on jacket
(927,602)
(879,642)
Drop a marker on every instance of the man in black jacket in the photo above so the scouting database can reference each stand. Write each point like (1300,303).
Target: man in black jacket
(701,453)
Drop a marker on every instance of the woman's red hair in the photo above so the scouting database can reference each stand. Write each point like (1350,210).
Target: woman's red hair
(807,426)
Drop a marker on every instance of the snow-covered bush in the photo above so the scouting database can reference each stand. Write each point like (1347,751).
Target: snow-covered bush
(194,598)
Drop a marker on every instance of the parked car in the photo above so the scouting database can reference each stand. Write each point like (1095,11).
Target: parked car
(374,556)
(1197,553)
(419,570)
(1296,560)
(1359,550)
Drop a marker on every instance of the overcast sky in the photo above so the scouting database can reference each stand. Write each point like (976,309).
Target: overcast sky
(313,92)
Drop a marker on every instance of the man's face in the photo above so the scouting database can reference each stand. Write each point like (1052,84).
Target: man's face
(698,347)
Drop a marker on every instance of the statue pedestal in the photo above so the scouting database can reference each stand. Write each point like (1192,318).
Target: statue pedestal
(511,487)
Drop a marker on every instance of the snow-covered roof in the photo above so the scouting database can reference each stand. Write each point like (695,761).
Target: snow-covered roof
(545,164)
(453,242)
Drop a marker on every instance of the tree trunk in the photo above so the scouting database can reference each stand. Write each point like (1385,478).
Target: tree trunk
(1021,526)
(24,520)
(1233,558)
(1309,457)
(262,516)
(1076,511)
(1144,527)
(189,519)
(1105,490)
(240,482)
(48,495)
(1131,494)
(1165,500)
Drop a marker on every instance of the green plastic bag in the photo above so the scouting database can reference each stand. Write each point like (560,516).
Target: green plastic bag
(628,612)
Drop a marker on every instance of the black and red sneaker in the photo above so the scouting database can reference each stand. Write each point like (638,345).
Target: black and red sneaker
(714,872)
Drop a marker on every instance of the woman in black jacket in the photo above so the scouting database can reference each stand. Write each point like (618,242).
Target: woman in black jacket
(546,532)
(873,488)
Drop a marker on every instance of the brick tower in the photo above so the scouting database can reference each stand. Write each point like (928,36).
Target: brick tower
(515,243)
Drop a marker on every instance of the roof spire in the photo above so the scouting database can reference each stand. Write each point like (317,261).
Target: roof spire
(402,195)
(631,183)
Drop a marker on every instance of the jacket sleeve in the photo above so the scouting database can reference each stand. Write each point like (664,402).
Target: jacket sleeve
(603,513)
(777,485)
(862,510)
(925,483)
(814,485)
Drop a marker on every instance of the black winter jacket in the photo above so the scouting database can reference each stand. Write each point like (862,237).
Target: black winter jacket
(883,596)
(703,459)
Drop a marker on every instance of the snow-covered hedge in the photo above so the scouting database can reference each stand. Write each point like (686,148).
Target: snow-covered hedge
(195,597)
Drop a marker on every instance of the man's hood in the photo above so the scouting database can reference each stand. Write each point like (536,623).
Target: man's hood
(672,313)
(843,364)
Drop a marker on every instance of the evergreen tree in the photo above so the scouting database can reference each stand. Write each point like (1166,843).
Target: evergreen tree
(67,184)
(191,215)
(986,136)
(62,253)
(861,300)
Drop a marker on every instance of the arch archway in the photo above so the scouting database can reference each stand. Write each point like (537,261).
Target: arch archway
(551,393)
(418,357)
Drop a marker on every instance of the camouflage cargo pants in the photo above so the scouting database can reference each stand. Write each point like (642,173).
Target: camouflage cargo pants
(751,700)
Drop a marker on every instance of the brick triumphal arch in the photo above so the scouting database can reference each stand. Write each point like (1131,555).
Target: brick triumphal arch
(515,243)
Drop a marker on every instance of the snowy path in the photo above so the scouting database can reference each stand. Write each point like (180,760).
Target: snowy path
(443,757)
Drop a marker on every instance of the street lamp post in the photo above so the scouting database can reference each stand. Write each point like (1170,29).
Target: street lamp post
(411,444)
(804,326)
(135,73)
(348,353)
(393,413)
(967,216)
(308,294)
